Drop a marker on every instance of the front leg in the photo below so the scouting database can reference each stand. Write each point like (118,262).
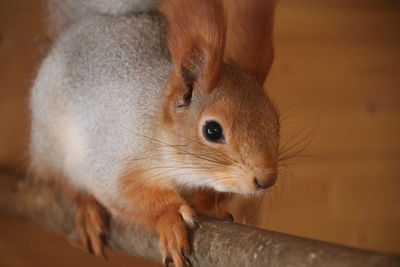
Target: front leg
(91,223)
(158,207)
(210,202)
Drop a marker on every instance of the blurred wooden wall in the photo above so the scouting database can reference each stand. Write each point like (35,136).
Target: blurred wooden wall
(336,79)
(337,70)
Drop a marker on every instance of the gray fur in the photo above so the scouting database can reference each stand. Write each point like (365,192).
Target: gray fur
(100,83)
(66,12)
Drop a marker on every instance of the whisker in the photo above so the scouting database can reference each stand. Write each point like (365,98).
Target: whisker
(283,148)
(179,149)
(284,157)
(308,136)
(207,146)
(237,147)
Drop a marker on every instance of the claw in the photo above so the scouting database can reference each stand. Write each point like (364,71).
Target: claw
(185,256)
(196,222)
(172,228)
(183,253)
(89,247)
(91,222)
(167,261)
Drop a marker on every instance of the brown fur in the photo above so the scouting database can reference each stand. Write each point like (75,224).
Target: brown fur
(148,200)
(250,37)
(158,207)
(230,93)
(91,223)
(251,127)
(222,92)
(197,31)
(210,202)
(196,40)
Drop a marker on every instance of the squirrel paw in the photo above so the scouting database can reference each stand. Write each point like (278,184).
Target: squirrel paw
(91,224)
(171,227)
(226,217)
(222,213)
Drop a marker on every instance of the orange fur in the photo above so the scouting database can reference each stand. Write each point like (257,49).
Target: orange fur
(91,223)
(160,208)
(197,35)
(251,129)
(250,37)
(210,202)
(196,41)
(91,219)
(148,200)
(197,30)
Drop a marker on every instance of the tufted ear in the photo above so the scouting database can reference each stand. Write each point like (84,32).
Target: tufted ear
(249,37)
(196,40)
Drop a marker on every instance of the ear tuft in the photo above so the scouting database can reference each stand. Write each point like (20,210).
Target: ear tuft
(250,37)
(196,39)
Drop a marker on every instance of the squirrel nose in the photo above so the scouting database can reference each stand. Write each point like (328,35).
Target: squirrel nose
(265,181)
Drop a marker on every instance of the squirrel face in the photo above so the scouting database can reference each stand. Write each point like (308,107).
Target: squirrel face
(214,102)
(230,134)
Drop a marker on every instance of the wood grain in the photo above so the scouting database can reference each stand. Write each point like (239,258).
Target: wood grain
(338,65)
(336,72)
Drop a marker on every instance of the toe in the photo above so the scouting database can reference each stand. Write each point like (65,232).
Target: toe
(174,238)
(188,216)
(181,243)
(95,240)
(167,261)
(228,217)
(81,229)
(91,223)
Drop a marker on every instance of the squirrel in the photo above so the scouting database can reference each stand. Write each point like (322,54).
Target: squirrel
(141,109)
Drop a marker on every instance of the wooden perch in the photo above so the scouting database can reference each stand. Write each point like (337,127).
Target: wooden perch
(216,243)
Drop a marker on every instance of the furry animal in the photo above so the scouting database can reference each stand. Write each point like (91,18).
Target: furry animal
(141,109)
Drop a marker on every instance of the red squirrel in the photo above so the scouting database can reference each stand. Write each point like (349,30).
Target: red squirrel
(141,108)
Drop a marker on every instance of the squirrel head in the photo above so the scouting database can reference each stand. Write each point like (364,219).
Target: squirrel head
(214,104)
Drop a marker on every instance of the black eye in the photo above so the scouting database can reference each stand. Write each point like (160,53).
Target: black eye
(212,131)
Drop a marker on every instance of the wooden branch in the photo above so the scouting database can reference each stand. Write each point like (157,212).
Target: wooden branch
(216,243)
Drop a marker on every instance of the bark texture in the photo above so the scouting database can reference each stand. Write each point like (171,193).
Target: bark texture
(215,243)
